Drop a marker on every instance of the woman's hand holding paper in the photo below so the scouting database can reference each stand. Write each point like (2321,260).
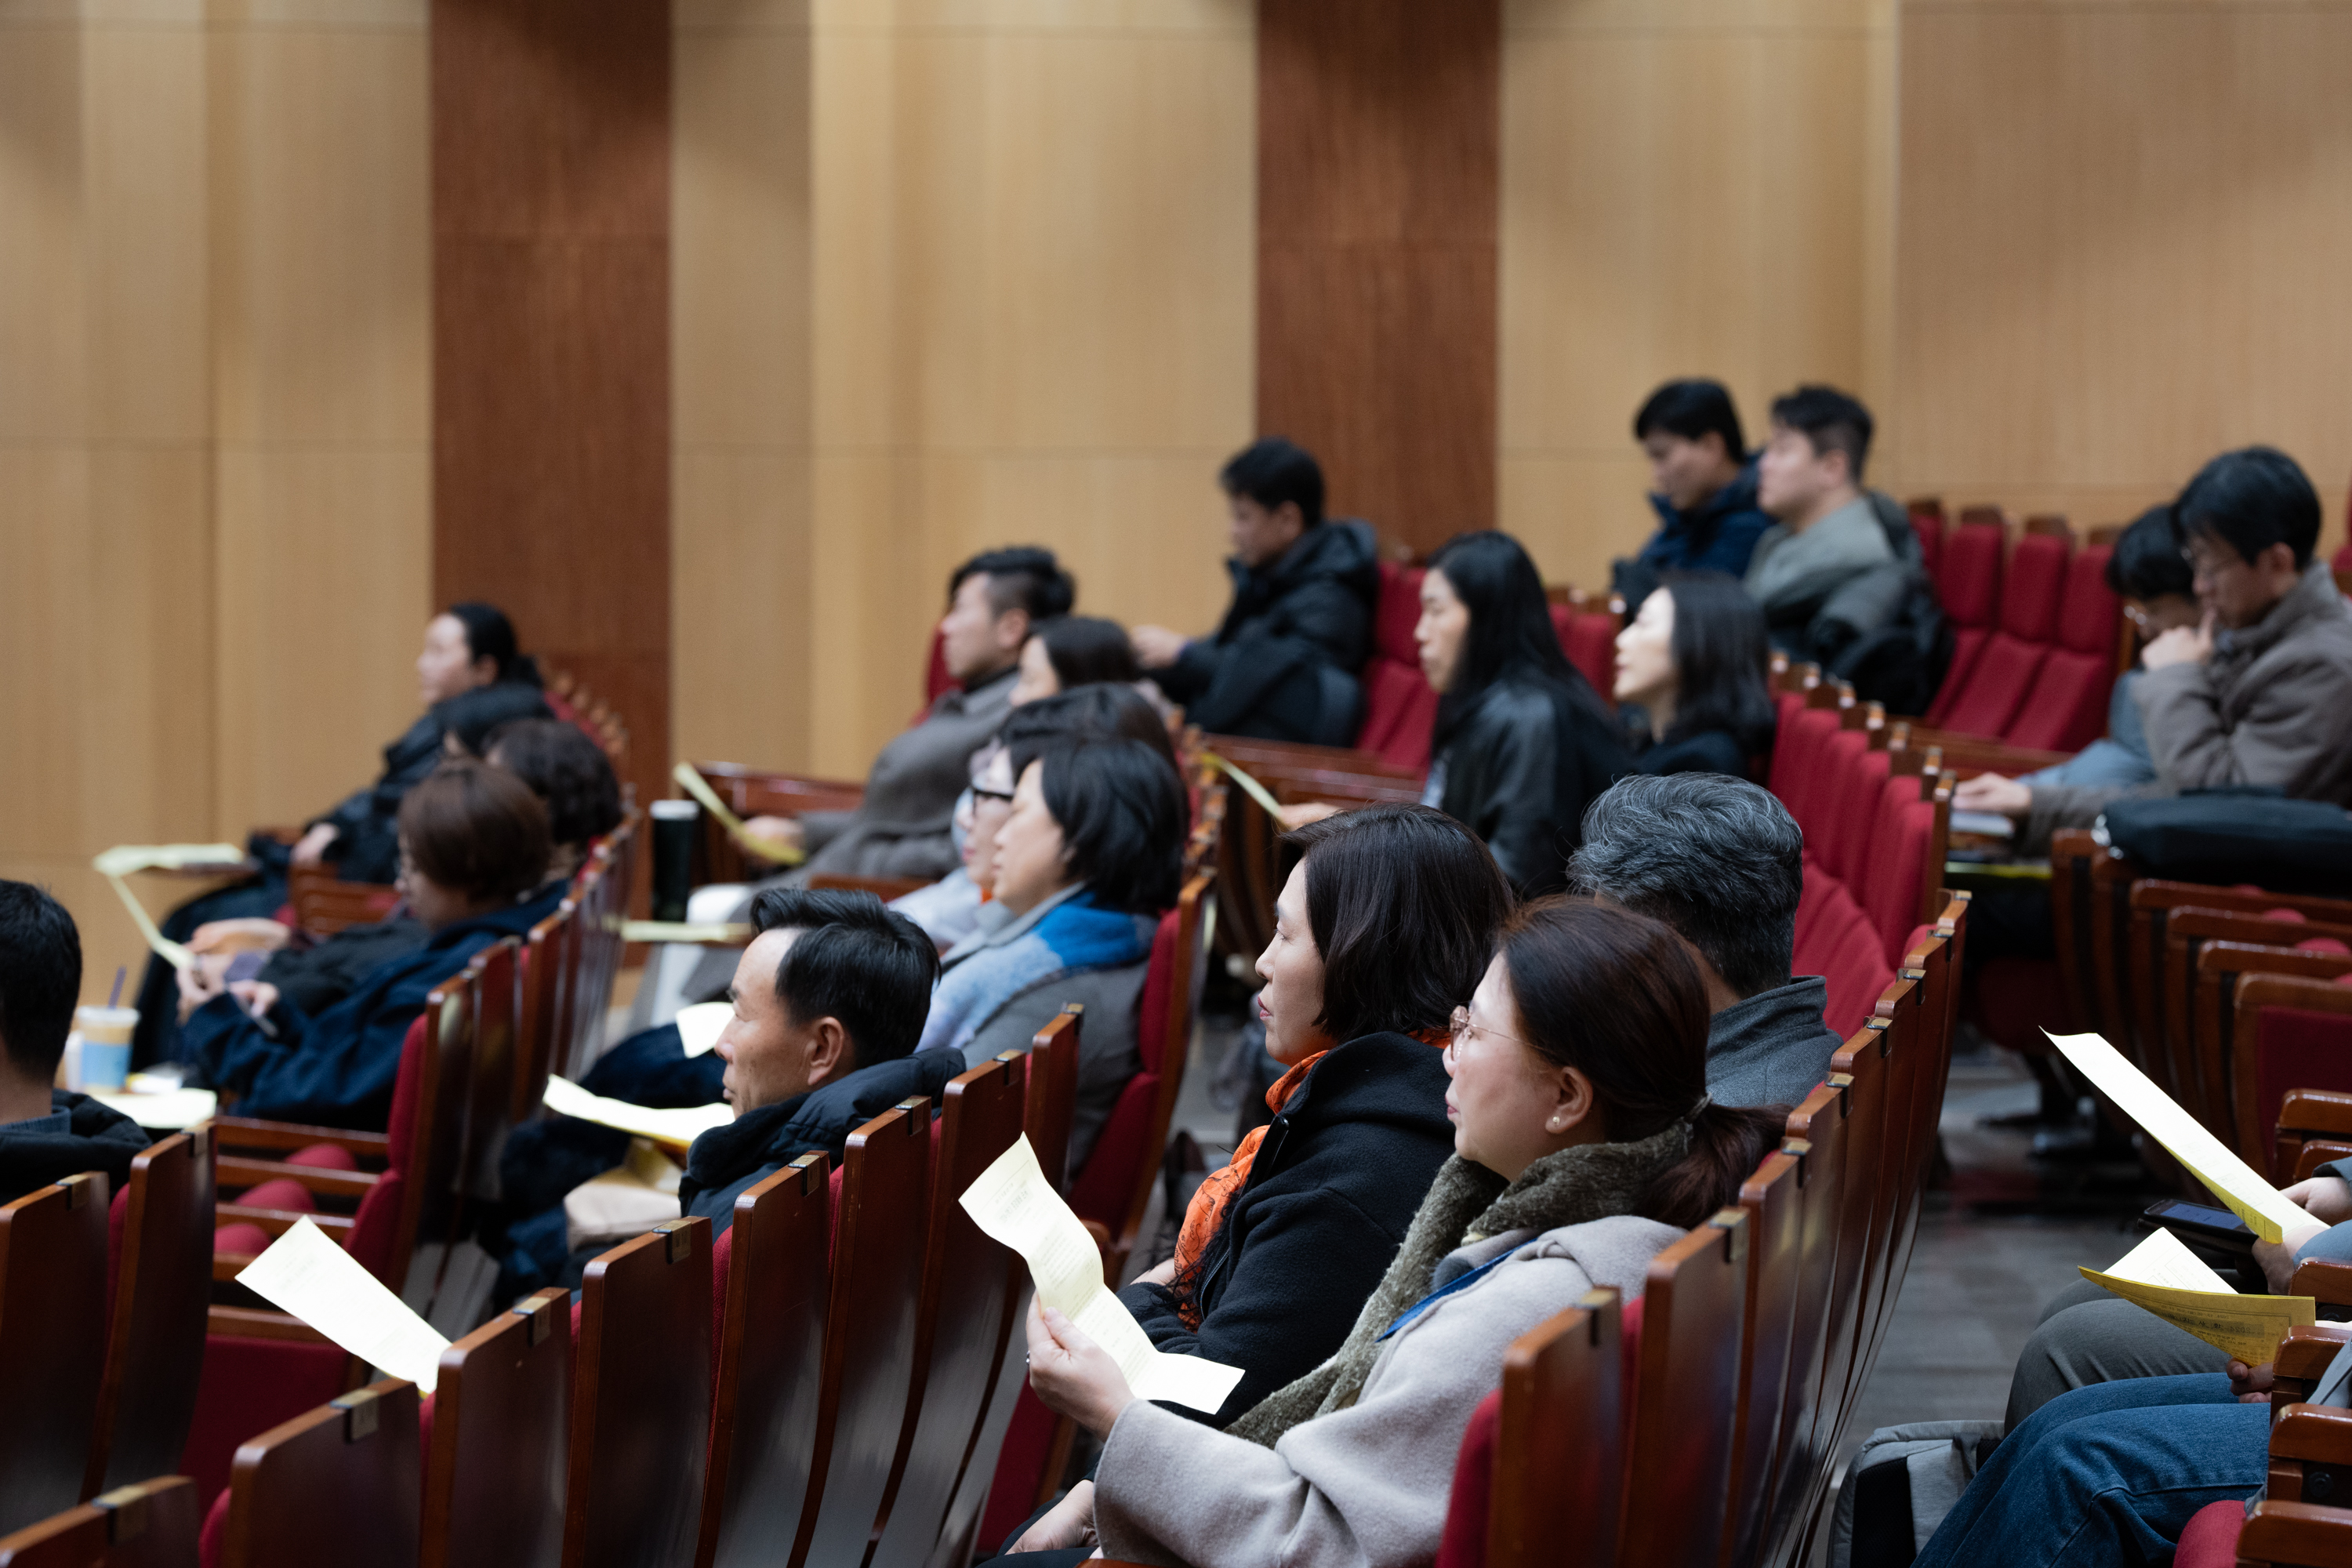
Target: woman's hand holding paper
(1071,1374)
(1070,1524)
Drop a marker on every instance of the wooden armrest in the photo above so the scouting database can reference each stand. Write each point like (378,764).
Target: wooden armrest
(2306,1351)
(2318,1151)
(2327,1282)
(227,1266)
(1968,756)
(236,1172)
(2309,1110)
(2316,1434)
(242,1132)
(251,1324)
(2295,1533)
(278,1222)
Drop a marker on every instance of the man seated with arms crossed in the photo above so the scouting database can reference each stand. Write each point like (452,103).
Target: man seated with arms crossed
(2261,693)
(829,1000)
(47,1134)
(1722,862)
(1283,664)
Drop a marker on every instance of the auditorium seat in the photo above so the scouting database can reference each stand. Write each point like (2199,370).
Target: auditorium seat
(2292,1033)
(337,1484)
(53,1332)
(1816,1138)
(2066,709)
(1985,698)
(149,1524)
(1398,706)
(1678,1456)
(1969,586)
(1843,946)
(1926,514)
(1774,1200)
(640,1402)
(1588,636)
(494,1434)
(161,1241)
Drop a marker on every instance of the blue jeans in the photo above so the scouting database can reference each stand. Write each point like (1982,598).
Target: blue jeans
(2107,1474)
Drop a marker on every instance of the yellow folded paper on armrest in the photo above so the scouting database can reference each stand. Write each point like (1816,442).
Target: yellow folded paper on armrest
(1013,1203)
(2164,1277)
(692,782)
(2262,1206)
(681,1127)
(716,933)
(125,858)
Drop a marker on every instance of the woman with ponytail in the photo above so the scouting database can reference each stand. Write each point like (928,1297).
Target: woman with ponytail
(1585,1143)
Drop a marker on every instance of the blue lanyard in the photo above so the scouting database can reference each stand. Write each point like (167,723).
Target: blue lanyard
(1461,1282)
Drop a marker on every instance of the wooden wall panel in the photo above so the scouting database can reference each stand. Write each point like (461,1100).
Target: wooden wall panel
(2121,248)
(1379,129)
(551,170)
(1688,189)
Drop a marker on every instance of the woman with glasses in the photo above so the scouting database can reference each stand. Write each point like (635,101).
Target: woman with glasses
(1584,1142)
(1380,934)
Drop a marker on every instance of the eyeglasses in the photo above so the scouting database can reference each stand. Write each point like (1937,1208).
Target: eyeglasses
(1460,1025)
(979,793)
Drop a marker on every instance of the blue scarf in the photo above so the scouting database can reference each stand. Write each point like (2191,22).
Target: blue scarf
(1074,934)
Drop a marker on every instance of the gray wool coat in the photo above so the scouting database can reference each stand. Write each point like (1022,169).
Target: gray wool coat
(1363,1487)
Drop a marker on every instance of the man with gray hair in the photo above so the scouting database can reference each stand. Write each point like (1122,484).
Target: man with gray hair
(1722,862)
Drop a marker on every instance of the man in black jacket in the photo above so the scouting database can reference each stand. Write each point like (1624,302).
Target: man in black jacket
(829,1000)
(1283,664)
(47,1134)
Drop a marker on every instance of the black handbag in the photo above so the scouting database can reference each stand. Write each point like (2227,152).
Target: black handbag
(2239,833)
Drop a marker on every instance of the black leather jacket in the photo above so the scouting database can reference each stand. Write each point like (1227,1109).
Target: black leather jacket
(1519,770)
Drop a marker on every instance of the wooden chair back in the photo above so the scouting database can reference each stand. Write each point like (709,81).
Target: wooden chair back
(53,1332)
(324,903)
(641,1402)
(2192,997)
(1560,1454)
(155,1339)
(972,1285)
(548,951)
(2110,925)
(1050,1091)
(1900,1018)
(1678,1469)
(2212,990)
(2296,1535)
(604,904)
(1816,1138)
(2072,852)
(429,1177)
(2315,1127)
(152,1524)
(494,1473)
(1774,1202)
(869,1335)
(488,1111)
(338,1485)
(763,1418)
(1861,1067)
(1196,918)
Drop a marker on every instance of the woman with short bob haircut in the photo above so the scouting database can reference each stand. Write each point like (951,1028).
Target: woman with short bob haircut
(474,848)
(1696,661)
(1585,1143)
(1381,930)
(1070,652)
(1082,867)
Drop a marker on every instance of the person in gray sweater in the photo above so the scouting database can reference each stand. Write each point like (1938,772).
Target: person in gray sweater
(1722,862)
(1585,1142)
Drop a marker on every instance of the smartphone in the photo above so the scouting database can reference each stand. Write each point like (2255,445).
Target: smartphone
(2197,1222)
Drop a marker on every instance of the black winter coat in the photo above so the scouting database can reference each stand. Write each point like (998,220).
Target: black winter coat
(1334,1186)
(366,847)
(1521,769)
(98,1138)
(1283,664)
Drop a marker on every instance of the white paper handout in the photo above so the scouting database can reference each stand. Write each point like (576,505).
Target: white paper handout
(699,1025)
(1013,1203)
(681,1127)
(304,1273)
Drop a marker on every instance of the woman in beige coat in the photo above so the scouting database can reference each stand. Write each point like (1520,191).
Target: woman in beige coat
(1584,1145)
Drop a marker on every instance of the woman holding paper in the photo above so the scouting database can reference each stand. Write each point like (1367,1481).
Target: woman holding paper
(1585,1141)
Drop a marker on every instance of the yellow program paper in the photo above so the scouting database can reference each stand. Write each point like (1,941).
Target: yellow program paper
(125,858)
(308,1274)
(716,933)
(1013,1203)
(2263,1208)
(2164,1277)
(681,1127)
(694,784)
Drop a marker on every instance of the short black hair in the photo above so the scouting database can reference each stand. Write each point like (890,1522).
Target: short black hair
(1691,409)
(1123,816)
(491,635)
(566,770)
(1404,904)
(1716,858)
(1085,650)
(40,978)
(1103,708)
(1025,577)
(2147,563)
(472,714)
(856,960)
(2250,500)
(1275,470)
(1830,420)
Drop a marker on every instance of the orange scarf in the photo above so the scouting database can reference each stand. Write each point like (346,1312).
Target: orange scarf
(1207,1209)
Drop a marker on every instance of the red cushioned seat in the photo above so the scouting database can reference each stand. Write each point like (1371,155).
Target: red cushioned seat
(1969,586)
(1928,528)
(244,1236)
(1845,951)
(1802,762)
(1844,805)
(1893,885)
(1104,1187)
(1591,643)
(325,1157)
(2296,1047)
(283,1192)
(1399,707)
(1997,680)
(2209,1540)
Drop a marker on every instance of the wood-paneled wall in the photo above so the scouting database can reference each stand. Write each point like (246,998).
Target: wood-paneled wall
(2122,251)
(1689,188)
(1378,127)
(213,439)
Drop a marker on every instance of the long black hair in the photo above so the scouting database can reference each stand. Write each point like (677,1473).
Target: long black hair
(1511,632)
(489,635)
(1085,650)
(1722,661)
